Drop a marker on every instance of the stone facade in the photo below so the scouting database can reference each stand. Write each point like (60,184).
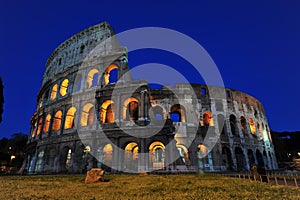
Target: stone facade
(84,119)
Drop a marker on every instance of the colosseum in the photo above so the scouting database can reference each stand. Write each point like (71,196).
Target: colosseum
(91,113)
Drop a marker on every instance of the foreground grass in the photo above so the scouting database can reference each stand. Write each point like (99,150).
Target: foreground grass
(140,187)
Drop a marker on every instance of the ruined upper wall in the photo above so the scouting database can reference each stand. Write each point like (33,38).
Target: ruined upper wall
(75,49)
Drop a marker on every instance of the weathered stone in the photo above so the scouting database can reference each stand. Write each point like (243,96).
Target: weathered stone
(94,175)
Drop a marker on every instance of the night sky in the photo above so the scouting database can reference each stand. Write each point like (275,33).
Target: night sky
(255,44)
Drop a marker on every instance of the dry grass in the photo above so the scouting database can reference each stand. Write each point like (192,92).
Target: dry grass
(140,187)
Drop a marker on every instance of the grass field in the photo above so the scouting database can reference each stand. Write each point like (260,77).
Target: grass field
(140,187)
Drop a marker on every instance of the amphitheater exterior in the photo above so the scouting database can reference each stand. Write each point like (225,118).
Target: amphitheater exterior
(77,124)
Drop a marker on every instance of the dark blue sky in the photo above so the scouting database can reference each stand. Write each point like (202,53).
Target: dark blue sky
(255,44)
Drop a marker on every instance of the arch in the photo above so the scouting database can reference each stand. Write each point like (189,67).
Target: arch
(157,154)
(183,152)
(69,122)
(227,158)
(259,158)
(64,87)
(39,128)
(54,92)
(51,157)
(232,120)
(107,114)
(107,156)
(130,109)
(33,129)
(131,156)
(47,124)
(243,124)
(65,158)
(57,121)
(208,119)
(87,115)
(251,157)
(178,113)
(221,123)
(252,126)
(92,78)
(240,159)
(259,130)
(39,161)
(111,74)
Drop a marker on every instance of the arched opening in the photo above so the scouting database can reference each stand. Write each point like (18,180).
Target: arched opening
(130,109)
(260,159)
(157,155)
(227,158)
(158,112)
(243,125)
(106,157)
(251,157)
(92,78)
(39,128)
(240,159)
(33,129)
(252,126)
(47,124)
(221,124)
(51,158)
(131,156)
(68,159)
(207,119)
(111,74)
(64,87)
(65,159)
(184,153)
(69,122)
(78,83)
(107,112)
(177,113)
(39,161)
(232,120)
(57,121)
(87,115)
(202,153)
(259,131)
(54,92)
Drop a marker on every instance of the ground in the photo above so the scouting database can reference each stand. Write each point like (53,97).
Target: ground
(141,187)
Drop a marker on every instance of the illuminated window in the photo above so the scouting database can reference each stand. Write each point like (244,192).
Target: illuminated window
(92,78)
(69,122)
(111,74)
(33,129)
(68,160)
(207,119)
(259,131)
(177,113)
(252,126)
(47,123)
(131,152)
(87,115)
(54,92)
(107,114)
(64,87)
(39,126)
(107,155)
(157,154)
(130,109)
(183,152)
(202,150)
(57,121)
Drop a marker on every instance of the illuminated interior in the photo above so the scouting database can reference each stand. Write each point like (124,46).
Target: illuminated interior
(132,150)
(207,119)
(64,87)
(92,78)
(87,115)
(107,112)
(39,128)
(183,152)
(107,74)
(107,154)
(157,152)
(47,124)
(33,130)
(69,122)
(259,131)
(54,92)
(243,123)
(202,150)
(252,126)
(57,121)
(130,109)
(177,113)
(68,160)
